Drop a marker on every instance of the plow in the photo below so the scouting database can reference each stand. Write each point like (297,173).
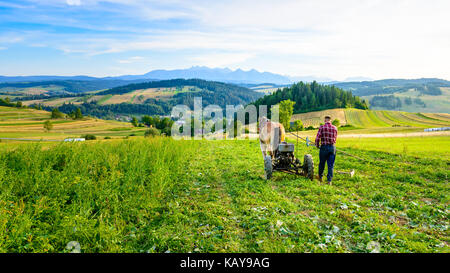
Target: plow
(283,160)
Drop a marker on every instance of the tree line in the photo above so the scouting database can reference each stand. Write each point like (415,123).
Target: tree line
(212,92)
(313,97)
(392,102)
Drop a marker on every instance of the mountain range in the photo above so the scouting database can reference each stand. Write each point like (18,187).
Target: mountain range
(198,72)
(226,75)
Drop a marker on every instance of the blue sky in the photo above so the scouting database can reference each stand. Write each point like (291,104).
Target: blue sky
(325,38)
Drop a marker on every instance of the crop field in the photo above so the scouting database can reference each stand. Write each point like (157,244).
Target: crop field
(315,118)
(140,96)
(376,119)
(28,123)
(163,195)
(136,97)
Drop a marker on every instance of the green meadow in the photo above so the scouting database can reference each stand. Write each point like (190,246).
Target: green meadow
(163,195)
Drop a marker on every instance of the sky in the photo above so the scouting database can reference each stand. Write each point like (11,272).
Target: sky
(323,38)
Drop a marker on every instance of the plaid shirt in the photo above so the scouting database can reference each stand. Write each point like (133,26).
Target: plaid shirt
(326,135)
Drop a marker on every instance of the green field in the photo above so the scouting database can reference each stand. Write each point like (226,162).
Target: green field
(377,119)
(162,195)
(28,123)
(422,147)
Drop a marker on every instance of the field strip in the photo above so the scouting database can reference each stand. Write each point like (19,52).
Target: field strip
(413,134)
(28,139)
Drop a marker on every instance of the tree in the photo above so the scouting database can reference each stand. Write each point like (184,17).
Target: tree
(48,126)
(298,125)
(152,132)
(56,114)
(89,137)
(408,101)
(312,97)
(78,114)
(148,121)
(285,113)
(336,123)
(19,104)
(135,122)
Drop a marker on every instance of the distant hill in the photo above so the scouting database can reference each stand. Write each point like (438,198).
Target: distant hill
(150,98)
(312,97)
(425,95)
(196,72)
(12,79)
(60,86)
(310,79)
(212,92)
(219,74)
(391,86)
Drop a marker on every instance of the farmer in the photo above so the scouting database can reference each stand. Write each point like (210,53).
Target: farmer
(326,140)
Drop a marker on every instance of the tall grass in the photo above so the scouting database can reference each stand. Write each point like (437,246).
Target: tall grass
(94,193)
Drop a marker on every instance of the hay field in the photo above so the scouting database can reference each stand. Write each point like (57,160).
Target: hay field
(376,119)
(28,123)
(315,118)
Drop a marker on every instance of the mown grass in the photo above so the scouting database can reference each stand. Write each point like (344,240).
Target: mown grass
(422,147)
(161,195)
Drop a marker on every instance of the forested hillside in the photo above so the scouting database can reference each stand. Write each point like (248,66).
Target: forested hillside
(155,98)
(217,93)
(61,86)
(313,97)
(390,86)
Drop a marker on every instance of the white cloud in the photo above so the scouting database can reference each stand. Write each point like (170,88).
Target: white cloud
(131,60)
(73,2)
(337,39)
(221,59)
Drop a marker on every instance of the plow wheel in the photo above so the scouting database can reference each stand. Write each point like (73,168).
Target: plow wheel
(308,166)
(268,168)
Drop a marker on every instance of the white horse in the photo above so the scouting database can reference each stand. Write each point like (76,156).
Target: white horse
(270,135)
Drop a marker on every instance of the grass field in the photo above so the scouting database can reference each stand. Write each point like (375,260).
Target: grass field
(136,97)
(28,123)
(376,119)
(162,195)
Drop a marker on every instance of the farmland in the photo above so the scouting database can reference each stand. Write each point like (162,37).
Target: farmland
(28,123)
(135,97)
(377,119)
(162,195)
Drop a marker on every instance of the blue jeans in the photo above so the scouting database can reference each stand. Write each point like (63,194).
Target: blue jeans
(327,154)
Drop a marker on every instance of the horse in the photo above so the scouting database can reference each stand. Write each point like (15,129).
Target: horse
(271,134)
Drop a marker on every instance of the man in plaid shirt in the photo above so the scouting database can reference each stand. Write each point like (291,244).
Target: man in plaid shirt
(326,140)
